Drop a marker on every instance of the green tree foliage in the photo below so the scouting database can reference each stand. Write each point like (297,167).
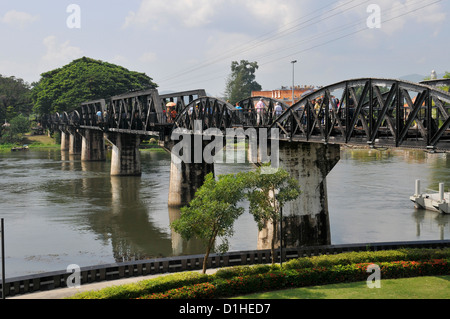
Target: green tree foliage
(84,80)
(446,76)
(212,212)
(15,98)
(269,190)
(214,209)
(19,125)
(241,81)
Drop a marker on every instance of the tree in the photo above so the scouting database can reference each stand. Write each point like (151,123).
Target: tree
(15,98)
(212,212)
(18,126)
(241,81)
(84,80)
(446,76)
(268,193)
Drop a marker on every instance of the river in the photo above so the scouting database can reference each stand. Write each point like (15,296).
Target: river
(60,211)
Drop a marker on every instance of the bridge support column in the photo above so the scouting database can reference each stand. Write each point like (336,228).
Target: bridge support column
(93,145)
(74,143)
(185,179)
(65,141)
(306,220)
(125,158)
(186,176)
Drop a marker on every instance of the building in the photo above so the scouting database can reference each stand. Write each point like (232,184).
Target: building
(285,93)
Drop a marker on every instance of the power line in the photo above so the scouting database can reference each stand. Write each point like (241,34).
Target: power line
(352,33)
(255,43)
(316,37)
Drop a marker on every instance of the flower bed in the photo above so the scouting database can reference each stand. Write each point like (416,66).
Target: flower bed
(294,278)
(301,272)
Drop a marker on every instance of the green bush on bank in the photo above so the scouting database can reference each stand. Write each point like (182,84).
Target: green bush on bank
(295,278)
(155,285)
(301,272)
(416,254)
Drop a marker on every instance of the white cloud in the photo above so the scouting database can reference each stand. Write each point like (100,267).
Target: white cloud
(199,13)
(396,15)
(18,19)
(58,54)
(159,14)
(148,57)
(275,12)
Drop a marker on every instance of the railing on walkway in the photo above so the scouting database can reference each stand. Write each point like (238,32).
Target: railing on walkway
(54,280)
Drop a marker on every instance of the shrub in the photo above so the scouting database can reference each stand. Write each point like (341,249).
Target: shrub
(298,263)
(281,279)
(367,257)
(240,271)
(198,291)
(145,287)
(301,272)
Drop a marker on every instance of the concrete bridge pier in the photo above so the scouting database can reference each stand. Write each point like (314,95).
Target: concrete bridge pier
(305,220)
(74,142)
(187,173)
(185,180)
(125,157)
(65,141)
(92,146)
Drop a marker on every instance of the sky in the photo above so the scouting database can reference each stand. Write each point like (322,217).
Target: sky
(190,44)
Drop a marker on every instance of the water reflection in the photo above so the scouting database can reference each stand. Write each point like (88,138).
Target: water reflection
(369,194)
(59,210)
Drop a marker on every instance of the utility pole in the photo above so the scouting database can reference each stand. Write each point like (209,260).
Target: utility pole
(293,80)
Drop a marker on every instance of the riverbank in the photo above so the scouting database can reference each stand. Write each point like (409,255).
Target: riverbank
(46,142)
(33,142)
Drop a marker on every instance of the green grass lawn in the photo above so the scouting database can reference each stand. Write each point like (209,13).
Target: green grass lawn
(409,288)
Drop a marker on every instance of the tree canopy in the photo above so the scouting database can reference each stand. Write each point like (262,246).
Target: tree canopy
(82,80)
(269,190)
(241,82)
(15,98)
(212,212)
(214,209)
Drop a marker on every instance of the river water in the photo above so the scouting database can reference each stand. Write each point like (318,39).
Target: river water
(60,211)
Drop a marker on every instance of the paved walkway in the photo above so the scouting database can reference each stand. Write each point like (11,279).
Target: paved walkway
(62,293)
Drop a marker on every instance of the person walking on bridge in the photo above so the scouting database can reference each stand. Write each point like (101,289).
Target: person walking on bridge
(278,109)
(260,106)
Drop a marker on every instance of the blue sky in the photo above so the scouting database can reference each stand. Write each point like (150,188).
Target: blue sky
(190,44)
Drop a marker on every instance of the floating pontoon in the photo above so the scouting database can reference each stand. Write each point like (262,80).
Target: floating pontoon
(438,202)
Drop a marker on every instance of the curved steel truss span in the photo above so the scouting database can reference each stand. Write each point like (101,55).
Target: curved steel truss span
(371,111)
(368,111)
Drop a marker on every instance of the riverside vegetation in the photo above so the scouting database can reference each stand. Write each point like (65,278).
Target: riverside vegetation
(301,272)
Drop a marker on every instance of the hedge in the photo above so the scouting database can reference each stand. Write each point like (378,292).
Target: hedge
(295,278)
(301,272)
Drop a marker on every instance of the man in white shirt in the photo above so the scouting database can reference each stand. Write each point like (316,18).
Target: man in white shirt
(278,109)
(260,106)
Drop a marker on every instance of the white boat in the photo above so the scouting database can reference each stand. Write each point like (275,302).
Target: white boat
(438,202)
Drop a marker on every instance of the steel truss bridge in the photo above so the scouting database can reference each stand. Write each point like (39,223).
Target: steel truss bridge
(366,111)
